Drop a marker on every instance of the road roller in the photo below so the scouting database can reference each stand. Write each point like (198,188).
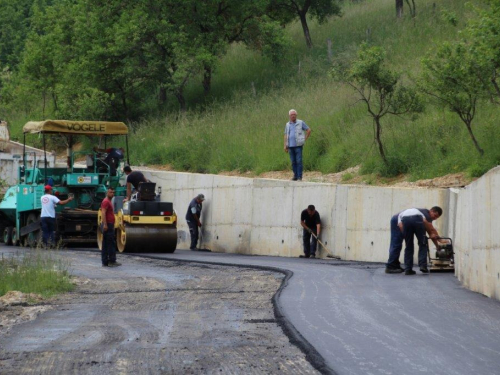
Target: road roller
(143,224)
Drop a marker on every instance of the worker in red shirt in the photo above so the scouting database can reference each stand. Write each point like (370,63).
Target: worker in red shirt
(108,254)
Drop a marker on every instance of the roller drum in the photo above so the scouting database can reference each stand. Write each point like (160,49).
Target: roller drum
(148,238)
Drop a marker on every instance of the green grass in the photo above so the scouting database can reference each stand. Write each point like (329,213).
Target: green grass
(235,129)
(39,272)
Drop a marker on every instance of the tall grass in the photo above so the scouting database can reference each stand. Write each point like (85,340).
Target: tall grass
(39,272)
(240,125)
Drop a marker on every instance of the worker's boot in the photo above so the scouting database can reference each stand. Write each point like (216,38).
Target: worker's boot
(410,272)
(394,270)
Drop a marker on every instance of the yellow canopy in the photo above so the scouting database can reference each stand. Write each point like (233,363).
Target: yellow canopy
(76,127)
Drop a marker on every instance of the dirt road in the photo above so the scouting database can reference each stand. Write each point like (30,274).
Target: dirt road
(156,317)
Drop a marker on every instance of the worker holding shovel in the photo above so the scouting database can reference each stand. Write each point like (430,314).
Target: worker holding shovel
(311,222)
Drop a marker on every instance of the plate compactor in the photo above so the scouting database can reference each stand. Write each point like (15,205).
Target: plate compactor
(444,256)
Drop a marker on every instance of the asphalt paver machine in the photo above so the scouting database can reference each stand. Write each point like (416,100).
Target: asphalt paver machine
(142,225)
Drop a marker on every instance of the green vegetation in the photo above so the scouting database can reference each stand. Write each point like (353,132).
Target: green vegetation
(39,272)
(238,123)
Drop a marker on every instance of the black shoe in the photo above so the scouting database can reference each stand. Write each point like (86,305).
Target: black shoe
(424,270)
(294,179)
(192,248)
(313,256)
(304,256)
(410,272)
(394,270)
(105,265)
(114,264)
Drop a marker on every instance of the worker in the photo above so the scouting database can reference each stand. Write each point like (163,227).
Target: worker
(48,215)
(311,222)
(296,134)
(412,223)
(193,216)
(393,265)
(133,180)
(108,253)
(113,157)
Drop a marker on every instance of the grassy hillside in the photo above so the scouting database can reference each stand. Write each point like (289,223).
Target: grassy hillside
(240,125)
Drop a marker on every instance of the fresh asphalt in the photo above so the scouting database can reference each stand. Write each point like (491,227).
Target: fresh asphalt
(363,321)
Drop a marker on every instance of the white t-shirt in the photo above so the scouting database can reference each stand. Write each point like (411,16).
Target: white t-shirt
(49,203)
(409,212)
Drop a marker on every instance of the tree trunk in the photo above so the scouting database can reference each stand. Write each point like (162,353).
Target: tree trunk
(413,7)
(469,128)
(182,101)
(399,8)
(307,34)
(378,138)
(162,96)
(54,100)
(207,79)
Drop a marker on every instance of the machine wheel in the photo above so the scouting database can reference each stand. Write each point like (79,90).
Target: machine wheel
(15,237)
(146,239)
(99,231)
(2,229)
(32,239)
(7,236)
(121,240)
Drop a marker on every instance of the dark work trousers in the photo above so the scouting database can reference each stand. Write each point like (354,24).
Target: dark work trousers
(414,226)
(396,244)
(296,159)
(108,253)
(310,242)
(48,225)
(193,230)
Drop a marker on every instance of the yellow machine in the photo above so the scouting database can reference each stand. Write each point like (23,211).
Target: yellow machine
(143,224)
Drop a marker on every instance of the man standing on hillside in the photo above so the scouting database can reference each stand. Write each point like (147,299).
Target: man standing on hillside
(296,134)
(398,236)
(311,222)
(193,217)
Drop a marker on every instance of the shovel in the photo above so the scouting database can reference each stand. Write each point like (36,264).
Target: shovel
(201,248)
(330,254)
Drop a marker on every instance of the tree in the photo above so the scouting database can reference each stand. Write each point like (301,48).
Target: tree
(380,89)
(287,10)
(399,8)
(453,77)
(483,33)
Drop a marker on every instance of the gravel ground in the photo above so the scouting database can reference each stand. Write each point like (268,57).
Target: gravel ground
(155,317)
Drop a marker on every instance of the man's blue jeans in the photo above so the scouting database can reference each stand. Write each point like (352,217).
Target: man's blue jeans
(194,232)
(310,242)
(396,244)
(108,253)
(48,225)
(296,159)
(414,226)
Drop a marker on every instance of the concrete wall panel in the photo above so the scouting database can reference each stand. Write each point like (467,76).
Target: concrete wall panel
(259,216)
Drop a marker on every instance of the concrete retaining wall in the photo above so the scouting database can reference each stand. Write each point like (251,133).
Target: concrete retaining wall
(477,235)
(262,217)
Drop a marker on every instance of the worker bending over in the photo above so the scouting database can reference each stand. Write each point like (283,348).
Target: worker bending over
(412,223)
(393,265)
(133,180)
(311,222)
(193,218)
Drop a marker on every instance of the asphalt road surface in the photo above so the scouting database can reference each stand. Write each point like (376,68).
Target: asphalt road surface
(363,321)
(346,317)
